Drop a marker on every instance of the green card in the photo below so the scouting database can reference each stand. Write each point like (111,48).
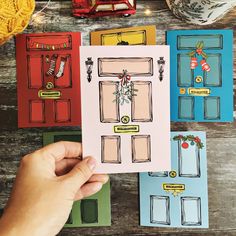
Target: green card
(94,210)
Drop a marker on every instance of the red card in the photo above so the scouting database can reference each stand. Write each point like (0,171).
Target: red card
(48,79)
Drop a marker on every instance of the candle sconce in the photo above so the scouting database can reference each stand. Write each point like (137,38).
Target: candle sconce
(89,66)
(161,63)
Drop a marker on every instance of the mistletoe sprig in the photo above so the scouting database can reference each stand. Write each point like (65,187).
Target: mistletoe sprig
(191,138)
(126,91)
(199,50)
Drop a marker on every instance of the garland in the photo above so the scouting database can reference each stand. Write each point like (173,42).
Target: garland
(194,140)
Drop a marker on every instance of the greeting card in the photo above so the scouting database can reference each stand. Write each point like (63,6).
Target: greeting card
(141,35)
(125,107)
(178,198)
(201,75)
(48,79)
(91,211)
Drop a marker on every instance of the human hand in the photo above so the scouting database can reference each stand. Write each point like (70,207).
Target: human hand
(47,183)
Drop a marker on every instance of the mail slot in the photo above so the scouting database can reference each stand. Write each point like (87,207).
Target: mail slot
(199,91)
(49,94)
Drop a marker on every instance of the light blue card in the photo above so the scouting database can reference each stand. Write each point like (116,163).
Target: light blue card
(201,75)
(178,198)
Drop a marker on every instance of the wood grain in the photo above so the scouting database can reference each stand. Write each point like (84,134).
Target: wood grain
(221,142)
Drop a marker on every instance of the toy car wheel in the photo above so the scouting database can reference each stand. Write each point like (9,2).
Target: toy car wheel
(126,15)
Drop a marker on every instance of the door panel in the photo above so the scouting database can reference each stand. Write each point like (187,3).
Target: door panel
(190,211)
(185,74)
(37,111)
(109,107)
(111,149)
(132,38)
(63,110)
(89,211)
(190,41)
(186,108)
(189,160)
(35,71)
(214,77)
(212,108)
(160,210)
(141,108)
(141,35)
(141,148)
(201,68)
(134,66)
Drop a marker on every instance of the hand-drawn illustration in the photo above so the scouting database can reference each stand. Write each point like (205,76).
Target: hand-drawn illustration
(161,63)
(141,35)
(48,77)
(172,199)
(91,211)
(201,75)
(89,65)
(122,109)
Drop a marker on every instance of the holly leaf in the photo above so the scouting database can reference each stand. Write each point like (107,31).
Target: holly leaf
(204,55)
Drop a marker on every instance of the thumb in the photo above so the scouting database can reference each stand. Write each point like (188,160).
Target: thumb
(81,172)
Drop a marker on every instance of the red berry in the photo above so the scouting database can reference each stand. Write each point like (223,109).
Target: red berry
(185,145)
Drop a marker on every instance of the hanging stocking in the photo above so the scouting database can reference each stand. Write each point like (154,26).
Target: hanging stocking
(205,66)
(52,66)
(61,68)
(193,63)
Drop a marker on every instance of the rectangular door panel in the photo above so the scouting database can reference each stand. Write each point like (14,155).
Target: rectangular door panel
(89,211)
(111,152)
(35,71)
(213,78)
(160,210)
(62,110)
(189,160)
(190,211)
(109,107)
(141,108)
(185,74)
(113,67)
(37,111)
(212,108)
(190,41)
(186,108)
(141,148)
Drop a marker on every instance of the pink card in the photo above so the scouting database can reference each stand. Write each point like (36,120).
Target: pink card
(125,107)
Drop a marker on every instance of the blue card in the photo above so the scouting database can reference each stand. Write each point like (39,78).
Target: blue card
(201,75)
(178,198)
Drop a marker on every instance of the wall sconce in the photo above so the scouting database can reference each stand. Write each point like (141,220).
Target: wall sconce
(89,66)
(161,63)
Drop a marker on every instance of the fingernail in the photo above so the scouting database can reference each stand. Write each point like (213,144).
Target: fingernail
(91,163)
(98,187)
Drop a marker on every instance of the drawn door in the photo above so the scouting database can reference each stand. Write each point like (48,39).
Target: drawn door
(48,79)
(201,75)
(178,198)
(123,115)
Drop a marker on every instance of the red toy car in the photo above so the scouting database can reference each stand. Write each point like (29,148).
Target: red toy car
(97,8)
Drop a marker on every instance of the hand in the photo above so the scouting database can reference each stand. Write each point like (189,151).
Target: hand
(48,182)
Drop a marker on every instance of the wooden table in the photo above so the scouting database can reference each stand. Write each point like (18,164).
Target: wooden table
(221,137)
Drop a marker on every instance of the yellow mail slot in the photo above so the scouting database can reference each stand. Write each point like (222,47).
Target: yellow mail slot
(173,186)
(49,94)
(199,91)
(126,128)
